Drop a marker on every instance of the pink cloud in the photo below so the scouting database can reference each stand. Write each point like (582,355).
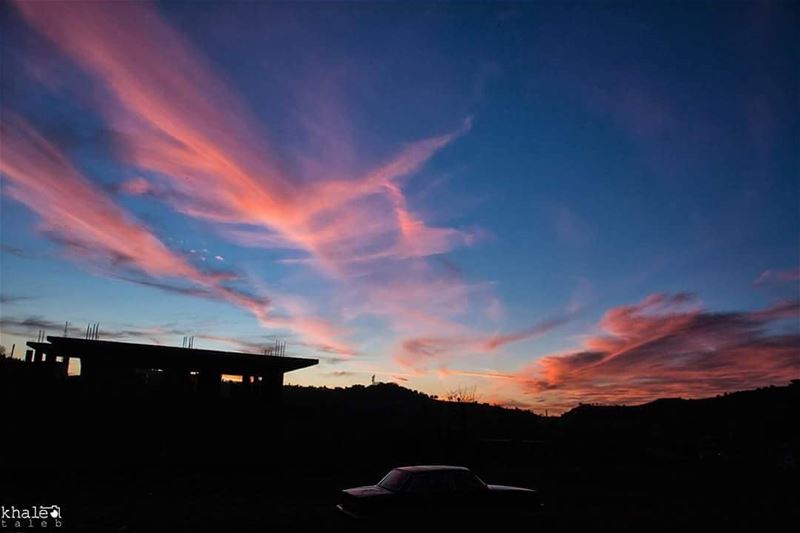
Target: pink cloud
(210,160)
(79,215)
(184,123)
(419,352)
(667,345)
(93,227)
(71,208)
(536,330)
(322,334)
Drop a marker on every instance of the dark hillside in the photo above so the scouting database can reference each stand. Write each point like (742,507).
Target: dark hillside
(118,461)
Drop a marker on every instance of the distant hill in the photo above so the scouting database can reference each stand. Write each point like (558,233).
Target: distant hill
(756,426)
(371,407)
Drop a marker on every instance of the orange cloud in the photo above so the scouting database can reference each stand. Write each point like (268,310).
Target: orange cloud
(667,345)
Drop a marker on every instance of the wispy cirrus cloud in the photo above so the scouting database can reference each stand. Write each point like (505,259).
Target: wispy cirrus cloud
(87,222)
(185,124)
(72,209)
(91,226)
(208,158)
(13,298)
(420,352)
(667,345)
(431,335)
(27,325)
(164,334)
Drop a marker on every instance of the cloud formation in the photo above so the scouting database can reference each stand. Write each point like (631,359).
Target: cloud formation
(183,123)
(12,298)
(73,210)
(420,352)
(27,325)
(205,155)
(667,345)
(81,217)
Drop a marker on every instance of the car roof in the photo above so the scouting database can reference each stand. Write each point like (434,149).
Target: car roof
(432,468)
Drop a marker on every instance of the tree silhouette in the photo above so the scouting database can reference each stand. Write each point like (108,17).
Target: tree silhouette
(462,395)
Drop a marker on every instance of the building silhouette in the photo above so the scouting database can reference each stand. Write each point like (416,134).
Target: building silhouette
(115,365)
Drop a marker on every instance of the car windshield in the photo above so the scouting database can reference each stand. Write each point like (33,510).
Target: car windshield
(443,481)
(393,481)
(464,480)
(429,482)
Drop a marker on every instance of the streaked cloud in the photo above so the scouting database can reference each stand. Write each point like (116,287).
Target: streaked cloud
(356,258)
(183,123)
(12,298)
(206,156)
(421,352)
(82,218)
(667,345)
(73,210)
(27,325)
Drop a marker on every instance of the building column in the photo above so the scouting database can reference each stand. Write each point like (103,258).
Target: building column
(271,386)
(209,383)
(176,381)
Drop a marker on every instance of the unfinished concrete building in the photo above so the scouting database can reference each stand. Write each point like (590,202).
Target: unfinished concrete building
(168,368)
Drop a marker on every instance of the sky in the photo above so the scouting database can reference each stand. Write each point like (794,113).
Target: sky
(546,203)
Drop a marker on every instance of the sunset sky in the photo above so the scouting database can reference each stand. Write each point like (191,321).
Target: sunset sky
(553,203)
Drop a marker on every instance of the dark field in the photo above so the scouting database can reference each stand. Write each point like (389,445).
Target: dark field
(150,462)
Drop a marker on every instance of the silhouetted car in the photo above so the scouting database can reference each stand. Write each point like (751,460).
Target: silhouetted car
(436,491)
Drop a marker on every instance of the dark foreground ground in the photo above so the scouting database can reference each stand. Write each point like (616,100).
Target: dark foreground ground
(156,463)
(219,499)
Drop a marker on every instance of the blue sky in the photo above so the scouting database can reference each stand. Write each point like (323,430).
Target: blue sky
(465,194)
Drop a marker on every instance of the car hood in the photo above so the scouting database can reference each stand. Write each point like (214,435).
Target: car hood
(368,491)
(507,488)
